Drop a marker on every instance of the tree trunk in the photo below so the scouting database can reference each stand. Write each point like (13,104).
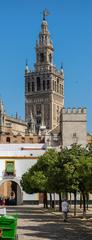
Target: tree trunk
(84,204)
(70,200)
(74,203)
(45,200)
(50,200)
(54,201)
(60,207)
(80,200)
(87,198)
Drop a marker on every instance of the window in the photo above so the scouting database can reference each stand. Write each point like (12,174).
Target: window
(8,139)
(38,84)
(28,87)
(50,58)
(75,138)
(57,113)
(48,84)
(57,85)
(41,57)
(9,169)
(38,109)
(33,87)
(74,135)
(38,120)
(43,85)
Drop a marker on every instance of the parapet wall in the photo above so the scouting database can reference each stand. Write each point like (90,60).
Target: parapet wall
(73,114)
(79,110)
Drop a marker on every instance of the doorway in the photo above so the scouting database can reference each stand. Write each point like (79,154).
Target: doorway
(10,192)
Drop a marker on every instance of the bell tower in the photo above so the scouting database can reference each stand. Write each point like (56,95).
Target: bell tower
(44,86)
(44,48)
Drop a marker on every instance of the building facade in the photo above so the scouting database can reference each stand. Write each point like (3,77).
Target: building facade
(15,160)
(15,130)
(12,129)
(46,120)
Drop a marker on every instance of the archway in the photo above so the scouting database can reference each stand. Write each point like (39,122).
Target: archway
(11,191)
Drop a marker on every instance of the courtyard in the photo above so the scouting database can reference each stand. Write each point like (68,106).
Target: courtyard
(35,223)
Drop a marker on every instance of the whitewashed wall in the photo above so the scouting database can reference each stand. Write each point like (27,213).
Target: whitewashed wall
(21,165)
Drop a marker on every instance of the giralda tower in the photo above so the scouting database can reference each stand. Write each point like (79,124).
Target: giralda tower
(44,87)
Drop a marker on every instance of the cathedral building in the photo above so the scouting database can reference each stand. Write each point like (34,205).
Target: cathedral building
(15,130)
(11,128)
(47,122)
(46,119)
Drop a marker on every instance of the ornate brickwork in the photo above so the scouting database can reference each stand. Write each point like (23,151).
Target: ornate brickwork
(45,85)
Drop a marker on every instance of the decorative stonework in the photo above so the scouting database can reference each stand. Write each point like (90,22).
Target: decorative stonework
(44,85)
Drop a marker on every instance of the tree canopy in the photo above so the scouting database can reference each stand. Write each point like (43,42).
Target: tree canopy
(67,171)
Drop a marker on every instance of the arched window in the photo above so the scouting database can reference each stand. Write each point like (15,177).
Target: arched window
(8,139)
(42,57)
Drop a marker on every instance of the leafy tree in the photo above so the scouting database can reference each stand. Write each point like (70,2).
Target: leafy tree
(36,179)
(85,178)
(67,171)
(83,172)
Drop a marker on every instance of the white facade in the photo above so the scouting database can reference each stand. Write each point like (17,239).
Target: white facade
(23,156)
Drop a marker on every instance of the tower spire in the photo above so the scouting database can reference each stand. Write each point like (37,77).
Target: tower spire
(26,68)
(45,14)
(44,46)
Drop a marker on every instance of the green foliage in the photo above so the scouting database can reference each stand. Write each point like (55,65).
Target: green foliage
(89,147)
(67,171)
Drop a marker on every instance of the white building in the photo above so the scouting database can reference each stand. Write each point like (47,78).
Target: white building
(15,160)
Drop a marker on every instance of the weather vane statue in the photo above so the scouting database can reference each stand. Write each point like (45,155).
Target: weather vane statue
(45,14)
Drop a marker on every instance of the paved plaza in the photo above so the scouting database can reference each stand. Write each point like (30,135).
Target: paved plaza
(35,223)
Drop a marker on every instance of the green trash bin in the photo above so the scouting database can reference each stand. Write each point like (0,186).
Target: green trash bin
(8,227)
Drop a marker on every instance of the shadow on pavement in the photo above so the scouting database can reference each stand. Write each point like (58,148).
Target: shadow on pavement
(59,230)
(45,225)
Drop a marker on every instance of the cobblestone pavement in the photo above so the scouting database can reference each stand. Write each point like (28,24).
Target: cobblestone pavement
(35,223)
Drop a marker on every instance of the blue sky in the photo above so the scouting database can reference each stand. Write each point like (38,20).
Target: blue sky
(70,25)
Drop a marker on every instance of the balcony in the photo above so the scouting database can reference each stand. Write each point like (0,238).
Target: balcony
(7,175)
